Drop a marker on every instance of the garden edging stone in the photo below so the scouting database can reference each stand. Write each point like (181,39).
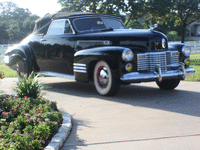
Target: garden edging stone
(63,132)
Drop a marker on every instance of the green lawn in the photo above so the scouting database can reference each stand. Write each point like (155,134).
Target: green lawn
(195,63)
(7,71)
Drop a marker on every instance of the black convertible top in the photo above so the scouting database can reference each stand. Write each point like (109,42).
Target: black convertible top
(48,17)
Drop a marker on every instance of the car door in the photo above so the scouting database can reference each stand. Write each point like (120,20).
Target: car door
(59,47)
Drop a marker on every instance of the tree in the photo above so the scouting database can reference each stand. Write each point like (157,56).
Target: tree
(15,23)
(71,5)
(4,34)
(176,13)
(96,6)
(112,7)
(135,11)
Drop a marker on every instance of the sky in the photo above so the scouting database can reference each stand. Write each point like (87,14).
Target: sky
(38,7)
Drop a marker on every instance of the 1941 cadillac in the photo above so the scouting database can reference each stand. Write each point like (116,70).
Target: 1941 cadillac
(99,48)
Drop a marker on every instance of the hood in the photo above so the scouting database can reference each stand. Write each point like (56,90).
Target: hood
(143,39)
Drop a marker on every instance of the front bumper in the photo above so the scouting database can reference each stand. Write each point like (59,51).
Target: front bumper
(136,77)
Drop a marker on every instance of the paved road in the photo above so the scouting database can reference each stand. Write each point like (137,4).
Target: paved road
(140,117)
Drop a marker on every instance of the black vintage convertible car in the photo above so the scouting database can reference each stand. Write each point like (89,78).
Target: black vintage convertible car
(96,47)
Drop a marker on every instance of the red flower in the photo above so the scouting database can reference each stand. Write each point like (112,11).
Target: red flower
(30,146)
(1,136)
(10,109)
(25,97)
(28,132)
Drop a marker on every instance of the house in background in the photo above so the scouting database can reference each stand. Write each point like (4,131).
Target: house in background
(194,30)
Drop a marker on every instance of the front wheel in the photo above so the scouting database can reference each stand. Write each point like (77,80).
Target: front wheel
(168,84)
(23,70)
(104,81)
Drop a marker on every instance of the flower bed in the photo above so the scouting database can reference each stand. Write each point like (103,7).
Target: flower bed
(27,123)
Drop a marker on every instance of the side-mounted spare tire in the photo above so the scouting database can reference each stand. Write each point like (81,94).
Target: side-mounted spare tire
(105,82)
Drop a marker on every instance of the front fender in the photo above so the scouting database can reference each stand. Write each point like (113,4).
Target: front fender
(85,60)
(22,54)
(177,47)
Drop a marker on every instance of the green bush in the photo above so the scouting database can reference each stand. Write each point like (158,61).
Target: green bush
(173,36)
(26,125)
(28,87)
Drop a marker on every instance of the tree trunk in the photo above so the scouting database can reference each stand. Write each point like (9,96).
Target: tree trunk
(94,6)
(183,33)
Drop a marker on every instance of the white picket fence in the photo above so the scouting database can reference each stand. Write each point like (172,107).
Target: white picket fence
(195,45)
(3,49)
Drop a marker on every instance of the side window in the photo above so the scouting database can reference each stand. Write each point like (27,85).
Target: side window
(57,27)
(68,29)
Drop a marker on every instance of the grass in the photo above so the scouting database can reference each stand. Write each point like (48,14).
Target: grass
(195,63)
(7,71)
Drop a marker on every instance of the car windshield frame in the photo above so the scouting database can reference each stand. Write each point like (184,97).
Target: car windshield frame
(99,25)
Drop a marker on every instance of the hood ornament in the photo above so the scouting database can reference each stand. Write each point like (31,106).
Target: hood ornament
(152,27)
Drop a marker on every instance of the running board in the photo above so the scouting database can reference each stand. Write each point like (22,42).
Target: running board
(55,74)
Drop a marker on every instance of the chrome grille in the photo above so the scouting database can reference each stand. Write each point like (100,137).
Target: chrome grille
(150,61)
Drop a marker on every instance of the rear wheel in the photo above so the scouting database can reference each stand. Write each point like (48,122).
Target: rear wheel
(168,84)
(104,81)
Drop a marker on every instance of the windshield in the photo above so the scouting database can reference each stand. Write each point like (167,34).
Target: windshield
(89,24)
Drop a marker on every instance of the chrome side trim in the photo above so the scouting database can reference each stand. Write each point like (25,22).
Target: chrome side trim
(55,74)
(96,42)
(135,77)
(80,68)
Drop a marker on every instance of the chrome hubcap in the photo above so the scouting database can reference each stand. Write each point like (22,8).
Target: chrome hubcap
(103,77)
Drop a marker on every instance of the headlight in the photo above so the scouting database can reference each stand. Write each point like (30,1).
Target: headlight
(186,50)
(127,55)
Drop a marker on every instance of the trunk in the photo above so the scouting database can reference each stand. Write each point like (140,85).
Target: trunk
(94,6)
(183,33)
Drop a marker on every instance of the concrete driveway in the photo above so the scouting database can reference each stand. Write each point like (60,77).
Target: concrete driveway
(139,117)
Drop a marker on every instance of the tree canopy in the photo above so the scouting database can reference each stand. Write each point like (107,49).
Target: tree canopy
(170,14)
(15,23)
(177,14)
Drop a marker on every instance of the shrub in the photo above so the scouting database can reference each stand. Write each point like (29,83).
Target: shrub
(27,123)
(29,87)
(173,36)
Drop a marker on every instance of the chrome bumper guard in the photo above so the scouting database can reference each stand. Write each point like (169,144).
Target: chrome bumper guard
(135,77)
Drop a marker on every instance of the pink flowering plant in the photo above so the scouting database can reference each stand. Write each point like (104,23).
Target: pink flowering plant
(27,123)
